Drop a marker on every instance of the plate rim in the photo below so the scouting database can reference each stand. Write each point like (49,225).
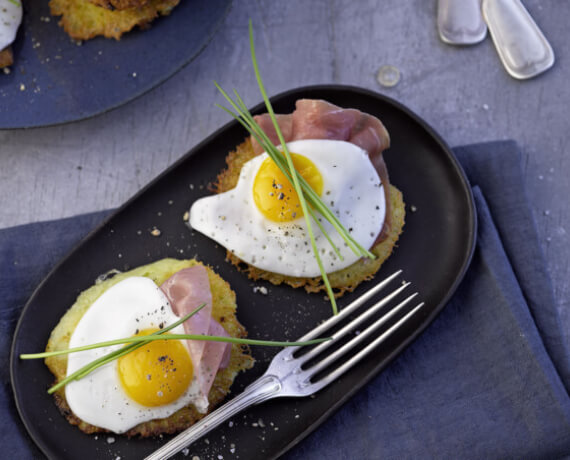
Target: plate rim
(468,254)
(136,95)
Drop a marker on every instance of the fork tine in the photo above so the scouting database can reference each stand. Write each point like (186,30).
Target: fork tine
(358,356)
(322,364)
(354,323)
(349,308)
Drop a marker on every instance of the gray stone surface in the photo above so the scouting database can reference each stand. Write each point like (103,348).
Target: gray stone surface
(464,93)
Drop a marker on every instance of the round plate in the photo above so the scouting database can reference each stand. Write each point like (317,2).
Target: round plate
(434,252)
(54,80)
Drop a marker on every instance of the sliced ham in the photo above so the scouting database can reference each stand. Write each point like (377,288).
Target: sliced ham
(318,119)
(186,290)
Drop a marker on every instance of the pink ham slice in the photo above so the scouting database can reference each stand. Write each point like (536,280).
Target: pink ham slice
(318,119)
(186,290)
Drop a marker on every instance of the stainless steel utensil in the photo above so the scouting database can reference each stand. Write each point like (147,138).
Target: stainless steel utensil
(460,22)
(521,45)
(294,376)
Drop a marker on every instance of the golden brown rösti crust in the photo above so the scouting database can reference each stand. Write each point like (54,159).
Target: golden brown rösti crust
(119,4)
(6,57)
(342,281)
(83,20)
(223,311)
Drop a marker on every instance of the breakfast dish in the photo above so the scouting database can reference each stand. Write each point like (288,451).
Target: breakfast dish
(10,19)
(256,214)
(434,252)
(54,81)
(86,19)
(164,386)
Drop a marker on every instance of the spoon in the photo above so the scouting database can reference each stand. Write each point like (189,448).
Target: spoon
(460,22)
(521,45)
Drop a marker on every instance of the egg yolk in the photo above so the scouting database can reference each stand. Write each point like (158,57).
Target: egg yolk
(157,373)
(275,196)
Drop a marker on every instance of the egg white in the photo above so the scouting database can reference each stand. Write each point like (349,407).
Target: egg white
(135,303)
(352,189)
(10,19)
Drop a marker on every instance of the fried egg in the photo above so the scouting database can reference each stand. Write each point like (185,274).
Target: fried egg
(152,382)
(261,220)
(10,19)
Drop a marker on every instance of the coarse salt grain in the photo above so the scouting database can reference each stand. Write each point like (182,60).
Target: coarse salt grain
(261,289)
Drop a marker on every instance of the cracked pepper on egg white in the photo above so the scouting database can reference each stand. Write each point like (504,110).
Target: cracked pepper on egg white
(351,188)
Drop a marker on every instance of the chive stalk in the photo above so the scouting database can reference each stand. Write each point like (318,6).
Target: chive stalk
(283,159)
(140,341)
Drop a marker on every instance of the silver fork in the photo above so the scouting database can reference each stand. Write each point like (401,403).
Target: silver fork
(285,375)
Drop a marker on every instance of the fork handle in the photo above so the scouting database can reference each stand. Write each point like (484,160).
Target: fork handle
(264,388)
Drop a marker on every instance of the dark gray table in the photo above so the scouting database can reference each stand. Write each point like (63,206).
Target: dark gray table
(464,93)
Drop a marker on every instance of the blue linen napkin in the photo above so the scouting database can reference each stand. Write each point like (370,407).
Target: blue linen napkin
(490,378)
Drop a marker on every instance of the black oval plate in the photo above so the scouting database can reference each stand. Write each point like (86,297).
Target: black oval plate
(434,252)
(55,81)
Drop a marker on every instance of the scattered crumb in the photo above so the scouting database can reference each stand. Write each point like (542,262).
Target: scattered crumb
(155,232)
(261,289)
(547,212)
(186,216)
(110,440)
(134,75)
(540,177)
(261,423)
(413,208)
(22,87)
(230,423)
(6,70)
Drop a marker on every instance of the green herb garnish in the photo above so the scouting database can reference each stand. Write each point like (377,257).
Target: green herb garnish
(282,158)
(15,2)
(139,341)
